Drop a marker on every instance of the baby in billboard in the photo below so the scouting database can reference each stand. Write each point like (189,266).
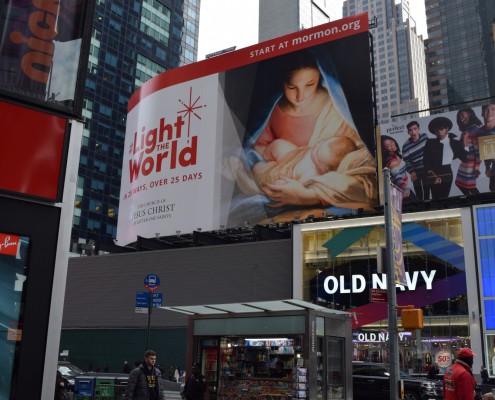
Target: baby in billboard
(306,157)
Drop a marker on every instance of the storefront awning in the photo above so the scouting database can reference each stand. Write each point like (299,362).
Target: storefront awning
(257,306)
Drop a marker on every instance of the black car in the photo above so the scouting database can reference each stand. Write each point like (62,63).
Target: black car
(69,371)
(371,381)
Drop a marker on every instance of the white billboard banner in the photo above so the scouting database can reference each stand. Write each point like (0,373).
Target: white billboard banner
(267,133)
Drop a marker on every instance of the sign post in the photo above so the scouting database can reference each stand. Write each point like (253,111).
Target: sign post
(151,282)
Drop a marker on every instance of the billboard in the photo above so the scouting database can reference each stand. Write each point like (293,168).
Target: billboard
(32,152)
(40,51)
(442,155)
(273,132)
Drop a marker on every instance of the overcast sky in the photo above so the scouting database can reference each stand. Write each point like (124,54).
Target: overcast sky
(227,23)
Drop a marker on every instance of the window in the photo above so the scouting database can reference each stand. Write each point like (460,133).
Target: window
(190,41)
(189,55)
(97,186)
(105,110)
(116,9)
(115,25)
(146,69)
(93,225)
(99,166)
(155,20)
(95,206)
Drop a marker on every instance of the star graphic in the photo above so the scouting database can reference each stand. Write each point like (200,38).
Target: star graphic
(190,109)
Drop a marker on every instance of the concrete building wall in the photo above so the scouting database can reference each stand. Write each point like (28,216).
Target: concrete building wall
(101,290)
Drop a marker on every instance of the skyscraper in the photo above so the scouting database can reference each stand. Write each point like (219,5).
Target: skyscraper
(132,41)
(281,17)
(460,51)
(400,72)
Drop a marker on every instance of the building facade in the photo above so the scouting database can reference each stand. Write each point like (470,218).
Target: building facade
(400,71)
(459,51)
(131,42)
(279,17)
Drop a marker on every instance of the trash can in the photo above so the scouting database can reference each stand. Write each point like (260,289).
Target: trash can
(120,385)
(104,388)
(84,387)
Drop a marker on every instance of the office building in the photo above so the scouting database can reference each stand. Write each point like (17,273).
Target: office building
(131,42)
(400,72)
(460,51)
(281,17)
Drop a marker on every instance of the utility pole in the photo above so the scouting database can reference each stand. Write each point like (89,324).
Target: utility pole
(392,298)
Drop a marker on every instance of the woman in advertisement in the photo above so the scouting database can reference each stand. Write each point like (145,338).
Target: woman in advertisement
(469,170)
(393,160)
(295,138)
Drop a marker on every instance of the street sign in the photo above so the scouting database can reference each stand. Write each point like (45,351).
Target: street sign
(142,301)
(379,296)
(152,282)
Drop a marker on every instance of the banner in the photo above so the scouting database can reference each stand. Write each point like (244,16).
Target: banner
(273,132)
(40,49)
(396,195)
(427,168)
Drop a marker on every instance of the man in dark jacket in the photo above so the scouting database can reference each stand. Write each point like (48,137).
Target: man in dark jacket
(195,386)
(458,381)
(144,381)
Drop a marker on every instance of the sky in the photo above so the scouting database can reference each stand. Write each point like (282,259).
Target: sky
(227,23)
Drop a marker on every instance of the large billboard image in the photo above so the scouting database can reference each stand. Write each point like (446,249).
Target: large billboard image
(273,132)
(443,155)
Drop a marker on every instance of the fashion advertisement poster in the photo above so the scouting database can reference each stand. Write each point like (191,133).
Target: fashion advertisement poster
(274,132)
(442,155)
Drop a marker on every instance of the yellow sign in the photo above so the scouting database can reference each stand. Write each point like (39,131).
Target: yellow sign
(487,147)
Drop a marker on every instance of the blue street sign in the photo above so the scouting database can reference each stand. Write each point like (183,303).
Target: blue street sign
(152,282)
(142,299)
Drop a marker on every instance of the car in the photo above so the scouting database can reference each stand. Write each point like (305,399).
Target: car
(371,381)
(69,372)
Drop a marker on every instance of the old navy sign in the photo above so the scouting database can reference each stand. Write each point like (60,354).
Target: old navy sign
(336,284)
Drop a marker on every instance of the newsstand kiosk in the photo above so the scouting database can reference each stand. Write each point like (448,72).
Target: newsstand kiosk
(239,346)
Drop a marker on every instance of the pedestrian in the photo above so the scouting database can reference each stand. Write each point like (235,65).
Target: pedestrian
(458,380)
(171,373)
(177,374)
(484,375)
(144,381)
(433,372)
(61,392)
(126,368)
(195,386)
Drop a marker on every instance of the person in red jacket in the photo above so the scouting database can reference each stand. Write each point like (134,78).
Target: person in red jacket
(458,381)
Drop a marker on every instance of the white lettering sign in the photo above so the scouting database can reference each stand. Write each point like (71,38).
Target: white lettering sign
(333,284)
(379,337)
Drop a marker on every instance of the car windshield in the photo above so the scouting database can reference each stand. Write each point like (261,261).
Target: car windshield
(404,374)
(70,370)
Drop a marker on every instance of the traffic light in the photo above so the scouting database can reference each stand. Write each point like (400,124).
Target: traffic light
(412,318)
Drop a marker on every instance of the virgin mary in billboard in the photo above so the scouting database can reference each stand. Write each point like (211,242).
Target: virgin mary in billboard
(302,153)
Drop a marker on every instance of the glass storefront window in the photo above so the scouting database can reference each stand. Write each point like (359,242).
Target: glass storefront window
(341,266)
(490,353)
(13,274)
